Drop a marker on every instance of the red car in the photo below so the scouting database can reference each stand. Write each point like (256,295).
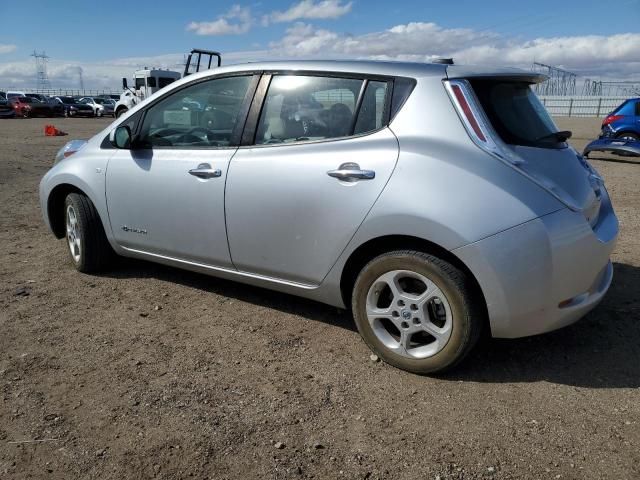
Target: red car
(32,107)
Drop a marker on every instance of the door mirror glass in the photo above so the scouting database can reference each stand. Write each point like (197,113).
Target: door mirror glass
(121,137)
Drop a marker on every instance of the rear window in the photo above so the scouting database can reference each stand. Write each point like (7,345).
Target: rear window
(516,113)
(164,81)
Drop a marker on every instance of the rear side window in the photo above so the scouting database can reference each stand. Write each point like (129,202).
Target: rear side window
(302,108)
(516,113)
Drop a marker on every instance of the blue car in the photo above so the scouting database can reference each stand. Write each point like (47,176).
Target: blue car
(624,122)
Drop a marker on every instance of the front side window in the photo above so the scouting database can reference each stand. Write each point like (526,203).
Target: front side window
(301,108)
(200,115)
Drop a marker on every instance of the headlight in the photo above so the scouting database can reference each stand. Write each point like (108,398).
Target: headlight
(69,149)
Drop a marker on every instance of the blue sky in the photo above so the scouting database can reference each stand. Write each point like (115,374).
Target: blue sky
(92,34)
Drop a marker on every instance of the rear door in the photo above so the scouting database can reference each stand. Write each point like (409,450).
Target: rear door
(318,157)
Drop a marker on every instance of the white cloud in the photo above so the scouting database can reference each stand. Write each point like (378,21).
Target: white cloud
(596,55)
(613,57)
(5,48)
(236,21)
(310,9)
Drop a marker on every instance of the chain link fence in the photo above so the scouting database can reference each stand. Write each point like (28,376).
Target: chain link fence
(580,106)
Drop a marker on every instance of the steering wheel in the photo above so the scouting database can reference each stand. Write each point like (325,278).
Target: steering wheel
(191,137)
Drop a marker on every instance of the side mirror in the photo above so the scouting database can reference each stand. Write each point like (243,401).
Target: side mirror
(124,84)
(121,137)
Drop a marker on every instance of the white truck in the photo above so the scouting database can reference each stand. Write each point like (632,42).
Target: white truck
(148,81)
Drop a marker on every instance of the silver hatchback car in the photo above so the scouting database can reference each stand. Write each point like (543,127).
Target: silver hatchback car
(433,200)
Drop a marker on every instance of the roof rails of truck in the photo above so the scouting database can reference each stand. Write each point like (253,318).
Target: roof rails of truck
(198,57)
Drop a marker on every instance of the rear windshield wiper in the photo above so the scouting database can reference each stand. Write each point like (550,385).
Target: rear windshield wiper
(561,136)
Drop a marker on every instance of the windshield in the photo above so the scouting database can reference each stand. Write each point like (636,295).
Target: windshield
(517,114)
(67,100)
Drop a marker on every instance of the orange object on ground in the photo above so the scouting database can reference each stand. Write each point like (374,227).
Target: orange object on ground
(52,131)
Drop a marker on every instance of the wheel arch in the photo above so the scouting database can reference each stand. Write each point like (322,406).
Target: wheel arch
(55,207)
(120,110)
(379,245)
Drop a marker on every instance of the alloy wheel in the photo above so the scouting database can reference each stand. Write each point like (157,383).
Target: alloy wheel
(73,234)
(409,314)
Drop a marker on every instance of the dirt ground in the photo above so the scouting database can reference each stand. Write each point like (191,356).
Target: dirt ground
(152,372)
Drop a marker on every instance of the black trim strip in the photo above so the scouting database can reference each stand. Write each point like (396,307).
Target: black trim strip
(243,114)
(249,133)
(358,105)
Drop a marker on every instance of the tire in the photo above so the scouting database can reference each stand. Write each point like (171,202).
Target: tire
(89,248)
(440,326)
(26,113)
(628,136)
(121,112)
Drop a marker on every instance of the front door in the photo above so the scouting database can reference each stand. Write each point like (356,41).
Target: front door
(166,196)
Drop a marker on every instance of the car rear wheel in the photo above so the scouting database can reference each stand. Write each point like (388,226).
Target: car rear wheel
(88,245)
(416,311)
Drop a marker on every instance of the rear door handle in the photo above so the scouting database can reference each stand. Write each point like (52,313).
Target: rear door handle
(350,172)
(205,171)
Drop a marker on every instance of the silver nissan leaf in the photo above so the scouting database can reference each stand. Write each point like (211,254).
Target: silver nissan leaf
(433,200)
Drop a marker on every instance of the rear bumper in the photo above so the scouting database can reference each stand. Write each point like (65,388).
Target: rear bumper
(546,273)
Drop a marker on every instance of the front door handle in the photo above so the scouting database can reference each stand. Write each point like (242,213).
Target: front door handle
(205,171)
(351,172)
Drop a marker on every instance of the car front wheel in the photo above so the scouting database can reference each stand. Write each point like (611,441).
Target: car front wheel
(416,311)
(88,245)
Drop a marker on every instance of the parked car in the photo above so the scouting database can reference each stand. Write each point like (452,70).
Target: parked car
(110,96)
(14,93)
(623,122)
(38,96)
(6,109)
(32,107)
(3,95)
(433,200)
(74,109)
(100,106)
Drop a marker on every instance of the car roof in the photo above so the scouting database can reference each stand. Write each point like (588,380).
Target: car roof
(374,67)
(366,67)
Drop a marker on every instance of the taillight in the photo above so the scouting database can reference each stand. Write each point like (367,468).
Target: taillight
(457,91)
(611,119)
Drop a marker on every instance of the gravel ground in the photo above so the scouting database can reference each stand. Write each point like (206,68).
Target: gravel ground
(152,372)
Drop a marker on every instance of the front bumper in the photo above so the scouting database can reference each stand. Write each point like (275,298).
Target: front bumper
(546,273)
(81,113)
